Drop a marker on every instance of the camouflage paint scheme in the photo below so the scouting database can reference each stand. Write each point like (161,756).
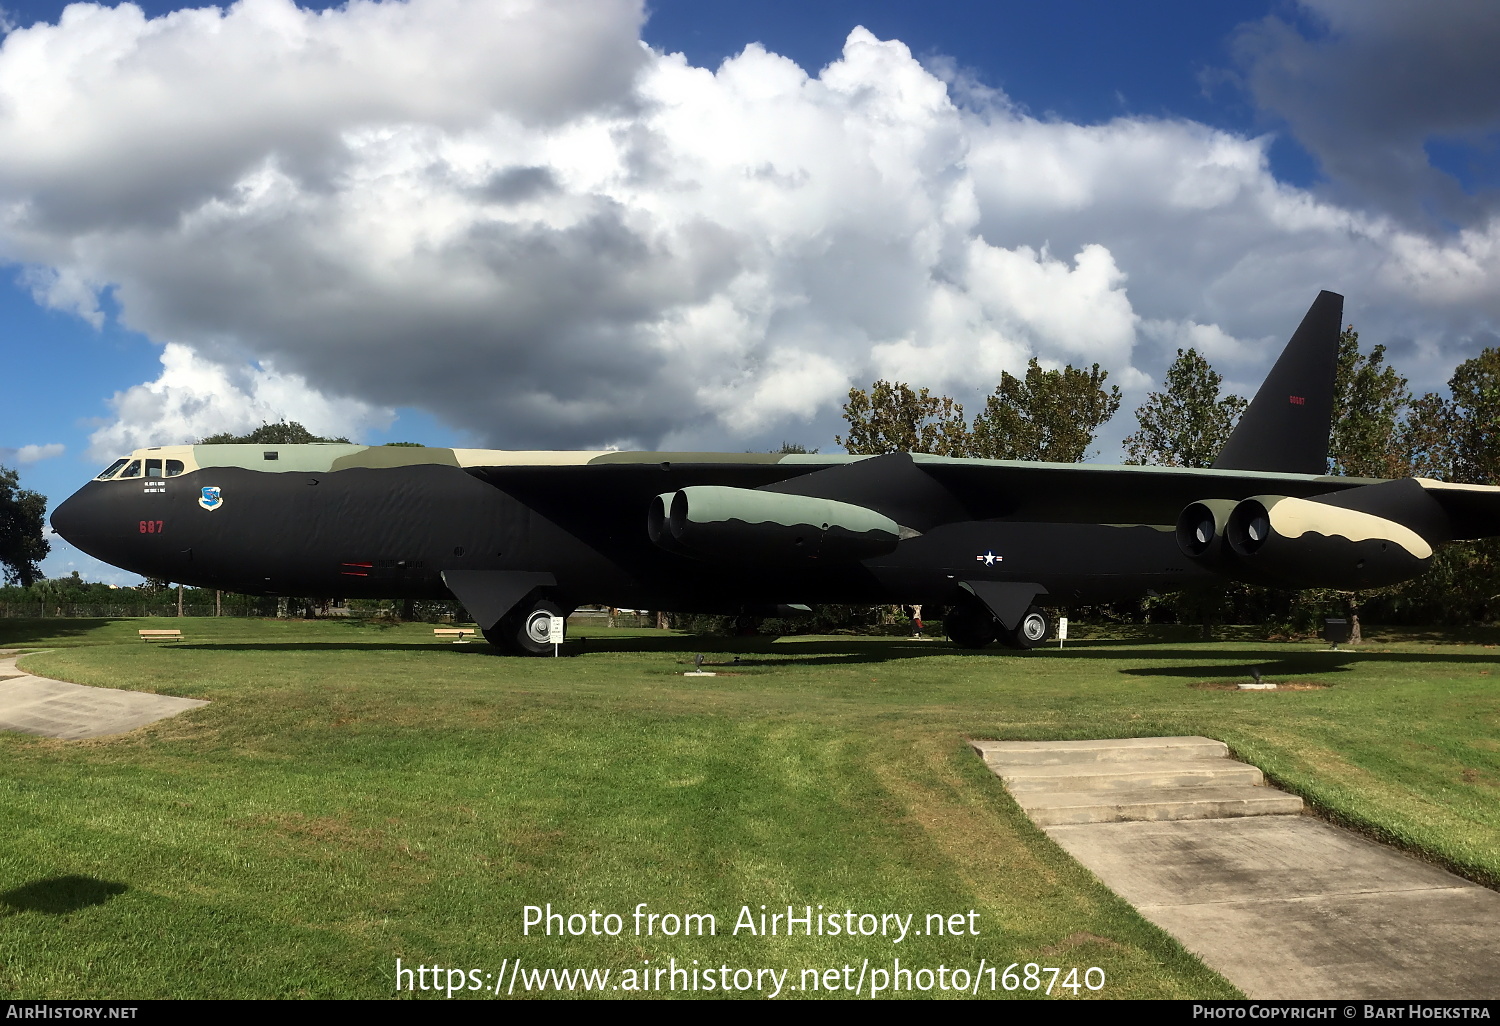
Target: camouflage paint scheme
(515,534)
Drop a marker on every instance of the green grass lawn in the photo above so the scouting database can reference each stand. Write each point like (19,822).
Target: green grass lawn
(356,794)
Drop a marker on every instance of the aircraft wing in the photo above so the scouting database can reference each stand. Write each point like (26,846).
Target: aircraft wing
(915,490)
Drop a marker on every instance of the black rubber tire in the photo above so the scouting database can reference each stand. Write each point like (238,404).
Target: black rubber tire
(971,625)
(523,631)
(1031,631)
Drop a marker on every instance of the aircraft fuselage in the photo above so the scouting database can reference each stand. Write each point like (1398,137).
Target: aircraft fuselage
(391,532)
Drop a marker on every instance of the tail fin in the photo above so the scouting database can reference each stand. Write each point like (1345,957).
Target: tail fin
(1285,430)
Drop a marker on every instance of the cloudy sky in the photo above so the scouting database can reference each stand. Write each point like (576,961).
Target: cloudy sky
(590,223)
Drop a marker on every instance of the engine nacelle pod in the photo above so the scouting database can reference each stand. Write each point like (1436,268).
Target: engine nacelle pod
(1300,543)
(1200,531)
(743,525)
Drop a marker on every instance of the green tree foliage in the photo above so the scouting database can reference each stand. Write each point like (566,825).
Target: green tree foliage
(1474,419)
(793,449)
(1188,421)
(1050,415)
(22,545)
(284,432)
(1424,442)
(825,619)
(1455,439)
(1369,399)
(890,417)
(412,445)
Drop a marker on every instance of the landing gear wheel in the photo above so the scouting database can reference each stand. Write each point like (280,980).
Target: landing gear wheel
(1031,631)
(971,626)
(525,629)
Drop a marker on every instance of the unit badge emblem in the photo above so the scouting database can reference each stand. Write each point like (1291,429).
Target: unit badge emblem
(211,499)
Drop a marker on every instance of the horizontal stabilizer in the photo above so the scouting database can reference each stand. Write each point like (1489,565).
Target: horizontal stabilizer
(1285,430)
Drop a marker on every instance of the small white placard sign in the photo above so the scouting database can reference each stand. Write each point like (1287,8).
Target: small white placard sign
(1062,628)
(555,630)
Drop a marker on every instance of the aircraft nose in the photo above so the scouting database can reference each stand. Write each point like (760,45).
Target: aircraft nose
(80,520)
(67,519)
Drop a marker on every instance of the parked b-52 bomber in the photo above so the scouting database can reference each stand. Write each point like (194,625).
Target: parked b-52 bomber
(520,537)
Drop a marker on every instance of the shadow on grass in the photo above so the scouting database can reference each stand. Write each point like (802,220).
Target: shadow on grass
(60,895)
(1241,667)
(1270,658)
(24,632)
(303,646)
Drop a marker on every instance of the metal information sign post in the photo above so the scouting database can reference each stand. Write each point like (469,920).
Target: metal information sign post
(555,633)
(1062,630)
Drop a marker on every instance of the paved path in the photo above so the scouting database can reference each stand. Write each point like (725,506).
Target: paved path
(54,708)
(1283,906)
(1291,907)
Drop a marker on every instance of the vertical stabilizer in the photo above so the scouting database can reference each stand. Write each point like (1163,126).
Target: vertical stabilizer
(1285,430)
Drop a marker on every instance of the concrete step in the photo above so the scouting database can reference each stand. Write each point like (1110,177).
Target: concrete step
(1132,749)
(1114,776)
(1053,808)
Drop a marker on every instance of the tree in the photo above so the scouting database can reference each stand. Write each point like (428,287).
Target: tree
(22,546)
(1424,441)
(793,449)
(285,432)
(890,417)
(1369,398)
(1050,415)
(1188,422)
(1456,440)
(1185,425)
(1474,423)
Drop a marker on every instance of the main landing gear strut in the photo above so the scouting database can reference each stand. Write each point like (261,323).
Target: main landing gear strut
(972,625)
(524,630)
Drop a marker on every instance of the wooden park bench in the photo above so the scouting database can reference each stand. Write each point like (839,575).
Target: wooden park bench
(460,635)
(161,635)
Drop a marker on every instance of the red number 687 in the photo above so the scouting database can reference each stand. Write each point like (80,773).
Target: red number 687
(151,526)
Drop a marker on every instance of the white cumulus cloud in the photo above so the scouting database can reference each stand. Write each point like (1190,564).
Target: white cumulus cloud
(194,397)
(31,453)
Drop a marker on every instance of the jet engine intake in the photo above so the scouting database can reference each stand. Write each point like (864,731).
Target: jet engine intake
(744,525)
(1200,529)
(1300,543)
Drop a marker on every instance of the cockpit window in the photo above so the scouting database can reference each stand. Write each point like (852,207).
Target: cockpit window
(133,470)
(174,467)
(153,468)
(109,470)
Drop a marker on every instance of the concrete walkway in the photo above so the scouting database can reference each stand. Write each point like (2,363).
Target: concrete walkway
(1283,906)
(54,708)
